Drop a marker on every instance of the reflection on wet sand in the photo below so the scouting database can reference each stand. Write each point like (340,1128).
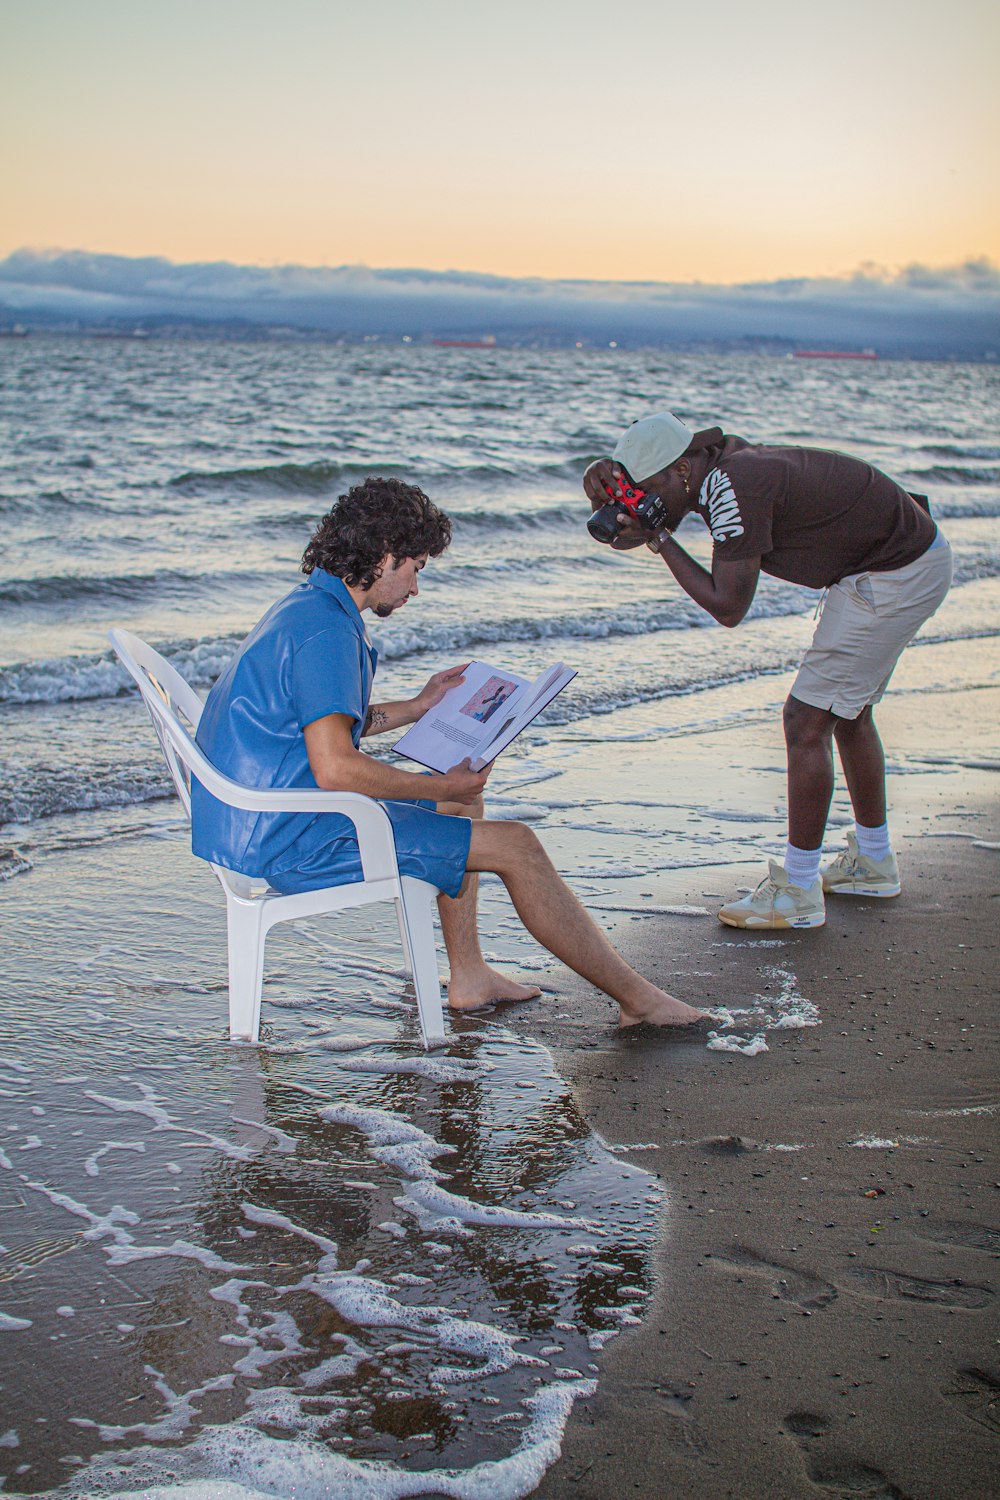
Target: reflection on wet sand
(329,1251)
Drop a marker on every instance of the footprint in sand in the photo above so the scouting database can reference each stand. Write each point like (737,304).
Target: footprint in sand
(675,1422)
(792,1284)
(878,1282)
(976,1394)
(838,1473)
(958,1236)
(788,1282)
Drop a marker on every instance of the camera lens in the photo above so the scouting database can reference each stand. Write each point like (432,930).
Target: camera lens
(603,524)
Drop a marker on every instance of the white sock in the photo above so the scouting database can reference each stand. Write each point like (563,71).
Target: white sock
(873,843)
(802,865)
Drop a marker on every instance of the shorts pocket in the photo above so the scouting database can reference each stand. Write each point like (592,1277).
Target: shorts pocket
(860,586)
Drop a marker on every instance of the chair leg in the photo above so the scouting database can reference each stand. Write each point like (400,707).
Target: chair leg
(403,938)
(416,916)
(245,922)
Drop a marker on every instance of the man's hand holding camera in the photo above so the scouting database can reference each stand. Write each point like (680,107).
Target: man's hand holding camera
(623,516)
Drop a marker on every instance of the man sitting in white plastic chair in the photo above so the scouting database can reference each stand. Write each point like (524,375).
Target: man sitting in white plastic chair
(291,710)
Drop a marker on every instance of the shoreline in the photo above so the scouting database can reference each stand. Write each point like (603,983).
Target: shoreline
(824,1313)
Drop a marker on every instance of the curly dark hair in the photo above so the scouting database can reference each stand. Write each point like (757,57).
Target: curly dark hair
(374,518)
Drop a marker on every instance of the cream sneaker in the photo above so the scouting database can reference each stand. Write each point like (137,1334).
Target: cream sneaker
(777,903)
(854,874)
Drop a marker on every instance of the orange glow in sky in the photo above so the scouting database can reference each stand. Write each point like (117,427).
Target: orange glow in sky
(629,141)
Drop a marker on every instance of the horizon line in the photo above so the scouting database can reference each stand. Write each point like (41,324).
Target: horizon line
(976,264)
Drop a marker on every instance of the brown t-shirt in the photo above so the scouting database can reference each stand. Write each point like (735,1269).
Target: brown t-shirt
(810,515)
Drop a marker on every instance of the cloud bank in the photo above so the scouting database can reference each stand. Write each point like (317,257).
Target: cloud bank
(921,311)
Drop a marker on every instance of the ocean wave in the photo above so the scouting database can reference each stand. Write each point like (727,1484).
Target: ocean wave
(81,679)
(466,635)
(979,507)
(318,478)
(972,569)
(961,450)
(65,589)
(548,518)
(46,791)
(481,519)
(323,476)
(50,504)
(70,679)
(956,474)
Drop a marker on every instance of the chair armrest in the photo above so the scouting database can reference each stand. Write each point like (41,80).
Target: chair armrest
(273,799)
(370,819)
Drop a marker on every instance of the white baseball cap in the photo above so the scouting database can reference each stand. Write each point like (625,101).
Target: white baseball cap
(652,444)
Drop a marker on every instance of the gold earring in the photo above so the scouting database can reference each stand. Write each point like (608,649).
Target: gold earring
(687,487)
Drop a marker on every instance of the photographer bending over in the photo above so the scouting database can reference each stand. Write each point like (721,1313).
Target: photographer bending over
(823,520)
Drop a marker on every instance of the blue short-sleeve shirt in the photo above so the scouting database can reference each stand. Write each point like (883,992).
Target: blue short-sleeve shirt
(309,656)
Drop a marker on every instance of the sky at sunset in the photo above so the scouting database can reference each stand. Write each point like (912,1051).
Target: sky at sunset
(639,140)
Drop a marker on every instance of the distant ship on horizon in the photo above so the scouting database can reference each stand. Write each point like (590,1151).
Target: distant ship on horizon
(835,354)
(488,341)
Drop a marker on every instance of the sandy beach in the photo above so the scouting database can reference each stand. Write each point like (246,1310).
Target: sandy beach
(825,1317)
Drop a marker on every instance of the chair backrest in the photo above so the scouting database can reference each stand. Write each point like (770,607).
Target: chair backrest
(170,700)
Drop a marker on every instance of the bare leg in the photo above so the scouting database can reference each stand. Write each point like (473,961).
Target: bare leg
(809,743)
(863,760)
(472,982)
(555,918)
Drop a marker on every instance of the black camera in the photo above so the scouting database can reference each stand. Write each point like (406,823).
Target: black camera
(629,501)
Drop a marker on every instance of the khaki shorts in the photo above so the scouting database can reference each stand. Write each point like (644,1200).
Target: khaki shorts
(866,621)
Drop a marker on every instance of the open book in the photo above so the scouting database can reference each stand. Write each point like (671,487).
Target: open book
(481,716)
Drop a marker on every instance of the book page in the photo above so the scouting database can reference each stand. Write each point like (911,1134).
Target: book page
(527,706)
(466,718)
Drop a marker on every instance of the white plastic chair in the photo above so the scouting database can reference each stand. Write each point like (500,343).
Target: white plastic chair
(251,908)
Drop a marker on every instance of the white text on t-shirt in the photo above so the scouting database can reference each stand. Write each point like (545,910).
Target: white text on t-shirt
(719,497)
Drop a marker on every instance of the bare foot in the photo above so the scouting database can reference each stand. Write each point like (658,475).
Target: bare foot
(485,986)
(660,1009)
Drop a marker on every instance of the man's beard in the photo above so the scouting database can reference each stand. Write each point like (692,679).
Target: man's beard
(384,610)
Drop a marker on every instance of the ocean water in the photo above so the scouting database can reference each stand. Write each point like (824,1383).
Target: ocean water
(334,1265)
(171,487)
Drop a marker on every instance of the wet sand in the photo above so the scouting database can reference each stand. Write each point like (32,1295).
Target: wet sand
(825,1314)
(803,1338)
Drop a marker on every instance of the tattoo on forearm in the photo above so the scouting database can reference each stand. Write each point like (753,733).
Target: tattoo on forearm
(377,719)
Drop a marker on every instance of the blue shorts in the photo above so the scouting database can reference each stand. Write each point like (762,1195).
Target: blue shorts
(430,846)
